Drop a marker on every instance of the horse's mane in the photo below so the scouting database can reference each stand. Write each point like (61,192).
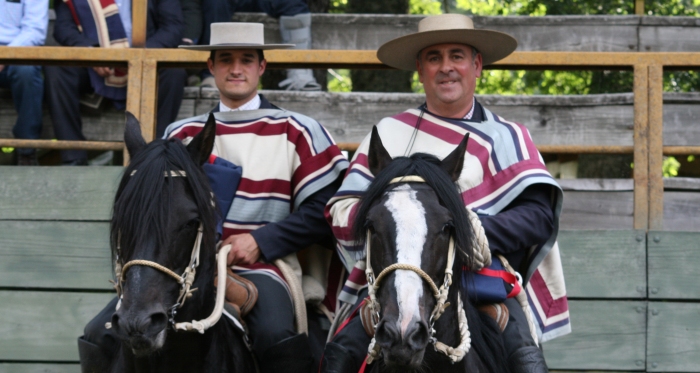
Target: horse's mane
(485,336)
(145,196)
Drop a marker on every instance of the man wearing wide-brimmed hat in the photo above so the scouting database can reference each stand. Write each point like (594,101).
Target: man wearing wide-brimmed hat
(290,169)
(272,172)
(504,184)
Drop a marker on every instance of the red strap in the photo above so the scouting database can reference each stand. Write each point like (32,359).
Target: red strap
(364,366)
(74,14)
(212,158)
(505,276)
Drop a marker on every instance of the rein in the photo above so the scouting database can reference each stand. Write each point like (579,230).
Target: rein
(455,354)
(185,280)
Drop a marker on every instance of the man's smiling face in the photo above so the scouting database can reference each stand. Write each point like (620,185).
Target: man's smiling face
(237,73)
(448,73)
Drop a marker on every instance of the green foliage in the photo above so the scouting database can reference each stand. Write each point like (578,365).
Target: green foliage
(671,167)
(337,6)
(425,7)
(339,80)
(7,150)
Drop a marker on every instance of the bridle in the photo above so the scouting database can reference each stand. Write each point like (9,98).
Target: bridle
(455,354)
(186,279)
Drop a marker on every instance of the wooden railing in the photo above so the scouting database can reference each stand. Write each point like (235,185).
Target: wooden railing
(648,69)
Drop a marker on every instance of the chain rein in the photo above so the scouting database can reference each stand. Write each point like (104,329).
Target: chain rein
(455,354)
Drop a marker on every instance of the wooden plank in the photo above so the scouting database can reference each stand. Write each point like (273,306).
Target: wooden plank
(55,255)
(673,261)
(369,31)
(681,211)
(38,368)
(149,97)
(597,210)
(62,144)
(668,35)
(639,7)
(139,18)
(641,149)
(604,264)
(57,193)
(655,150)
(607,335)
(672,341)
(44,326)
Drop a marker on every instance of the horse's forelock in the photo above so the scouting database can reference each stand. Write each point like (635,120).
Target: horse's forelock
(143,199)
(427,167)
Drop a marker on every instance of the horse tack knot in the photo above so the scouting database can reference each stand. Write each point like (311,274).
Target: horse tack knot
(372,351)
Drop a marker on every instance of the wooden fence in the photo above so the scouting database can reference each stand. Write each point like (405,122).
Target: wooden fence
(648,148)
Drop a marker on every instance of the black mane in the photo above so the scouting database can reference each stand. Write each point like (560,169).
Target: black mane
(143,199)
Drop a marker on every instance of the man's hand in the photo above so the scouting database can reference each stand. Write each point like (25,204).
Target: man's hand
(244,249)
(104,71)
(2,67)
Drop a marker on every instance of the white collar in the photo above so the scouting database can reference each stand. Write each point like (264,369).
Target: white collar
(253,104)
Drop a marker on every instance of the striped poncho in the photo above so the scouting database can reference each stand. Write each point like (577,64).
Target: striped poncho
(500,162)
(285,158)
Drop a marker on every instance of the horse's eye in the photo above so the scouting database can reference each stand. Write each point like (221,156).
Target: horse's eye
(447,228)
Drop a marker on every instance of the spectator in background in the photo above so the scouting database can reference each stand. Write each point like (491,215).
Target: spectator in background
(295,28)
(192,10)
(76,26)
(23,23)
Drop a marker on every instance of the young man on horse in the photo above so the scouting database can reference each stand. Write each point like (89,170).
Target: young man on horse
(289,168)
(504,181)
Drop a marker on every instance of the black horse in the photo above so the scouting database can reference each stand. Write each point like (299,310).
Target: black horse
(411,212)
(162,202)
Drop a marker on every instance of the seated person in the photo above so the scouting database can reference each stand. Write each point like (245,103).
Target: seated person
(24,24)
(76,27)
(295,28)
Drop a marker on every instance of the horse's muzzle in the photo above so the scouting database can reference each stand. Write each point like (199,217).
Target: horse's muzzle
(405,350)
(143,334)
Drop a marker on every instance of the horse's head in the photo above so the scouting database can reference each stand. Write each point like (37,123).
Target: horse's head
(162,210)
(410,221)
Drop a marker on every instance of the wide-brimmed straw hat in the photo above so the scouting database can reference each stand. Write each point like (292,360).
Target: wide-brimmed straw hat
(237,35)
(401,52)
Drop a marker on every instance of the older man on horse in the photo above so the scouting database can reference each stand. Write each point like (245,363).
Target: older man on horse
(504,182)
(275,172)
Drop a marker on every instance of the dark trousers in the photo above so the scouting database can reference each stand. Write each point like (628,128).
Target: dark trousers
(515,336)
(223,10)
(270,321)
(64,85)
(27,86)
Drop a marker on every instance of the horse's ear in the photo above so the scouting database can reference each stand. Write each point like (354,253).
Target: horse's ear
(454,162)
(132,135)
(377,158)
(202,145)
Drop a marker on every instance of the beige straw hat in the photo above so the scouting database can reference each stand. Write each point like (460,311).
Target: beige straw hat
(237,35)
(401,52)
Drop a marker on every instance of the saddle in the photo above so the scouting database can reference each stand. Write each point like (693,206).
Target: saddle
(241,294)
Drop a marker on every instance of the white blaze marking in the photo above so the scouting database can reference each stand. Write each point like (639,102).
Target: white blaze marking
(411,232)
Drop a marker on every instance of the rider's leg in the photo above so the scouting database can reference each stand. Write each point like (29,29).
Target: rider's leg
(524,356)
(347,350)
(98,344)
(276,343)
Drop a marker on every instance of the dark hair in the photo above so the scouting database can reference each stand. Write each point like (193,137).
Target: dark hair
(261,55)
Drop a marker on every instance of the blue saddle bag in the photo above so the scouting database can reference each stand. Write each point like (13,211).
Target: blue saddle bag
(224,178)
(492,284)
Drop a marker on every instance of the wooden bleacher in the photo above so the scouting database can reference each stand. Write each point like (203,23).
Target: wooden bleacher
(629,270)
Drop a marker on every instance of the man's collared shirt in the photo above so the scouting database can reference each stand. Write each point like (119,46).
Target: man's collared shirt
(471,111)
(253,104)
(23,23)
